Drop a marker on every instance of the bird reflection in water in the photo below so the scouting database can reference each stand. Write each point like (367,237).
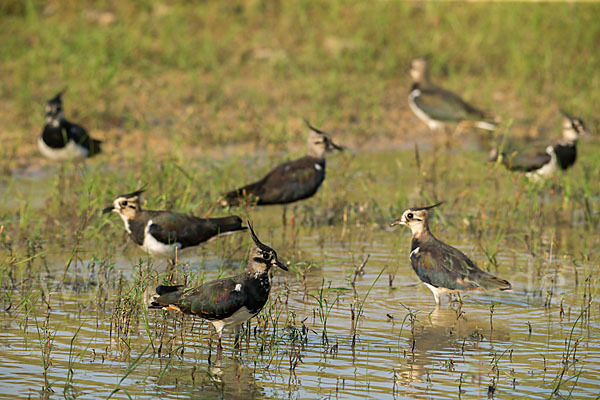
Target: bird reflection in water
(435,341)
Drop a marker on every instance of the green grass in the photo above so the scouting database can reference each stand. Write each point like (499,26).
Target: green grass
(213,73)
(194,100)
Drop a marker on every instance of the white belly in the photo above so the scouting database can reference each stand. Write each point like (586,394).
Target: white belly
(153,246)
(72,151)
(239,317)
(433,125)
(543,172)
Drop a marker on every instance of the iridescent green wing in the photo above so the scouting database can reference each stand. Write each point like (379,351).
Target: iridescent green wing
(188,230)
(215,300)
(442,105)
(441,267)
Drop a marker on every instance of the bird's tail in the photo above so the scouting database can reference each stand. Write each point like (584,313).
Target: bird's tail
(95,146)
(487,125)
(230,224)
(490,282)
(243,195)
(166,296)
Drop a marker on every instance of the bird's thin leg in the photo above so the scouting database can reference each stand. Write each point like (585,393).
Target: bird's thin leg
(447,137)
(210,340)
(284,216)
(293,218)
(460,128)
(61,184)
(219,345)
(238,338)
(437,298)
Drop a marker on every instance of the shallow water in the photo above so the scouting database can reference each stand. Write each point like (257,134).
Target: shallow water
(542,339)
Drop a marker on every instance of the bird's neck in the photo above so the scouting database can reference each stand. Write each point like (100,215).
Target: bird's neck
(421,234)
(126,222)
(53,121)
(128,218)
(316,152)
(260,273)
(568,141)
(423,83)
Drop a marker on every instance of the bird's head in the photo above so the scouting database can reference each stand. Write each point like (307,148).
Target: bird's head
(573,128)
(416,219)
(319,142)
(126,205)
(54,108)
(419,69)
(262,257)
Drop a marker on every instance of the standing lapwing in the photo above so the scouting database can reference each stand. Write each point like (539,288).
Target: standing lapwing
(542,163)
(442,268)
(229,301)
(63,140)
(166,233)
(437,106)
(290,181)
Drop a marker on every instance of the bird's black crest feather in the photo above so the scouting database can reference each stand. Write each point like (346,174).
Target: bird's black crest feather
(260,245)
(136,193)
(427,207)
(312,128)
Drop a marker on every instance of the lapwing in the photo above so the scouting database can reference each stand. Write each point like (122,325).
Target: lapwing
(62,140)
(437,106)
(229,301)
(291,181)
(541,164)
(442,268)
(165,233)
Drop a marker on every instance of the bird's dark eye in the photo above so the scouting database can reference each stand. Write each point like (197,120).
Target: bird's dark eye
(410,216)
(124,203)
(267,256)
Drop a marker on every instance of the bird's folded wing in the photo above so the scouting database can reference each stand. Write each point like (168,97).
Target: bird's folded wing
(441,268)
(443,105)
(292,180)
(215,300)
(526,161)
(163,235)
(76,133)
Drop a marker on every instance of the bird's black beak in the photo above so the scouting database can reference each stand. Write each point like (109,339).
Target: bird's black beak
(396,222)
(333,146)
(280,265)
(108,209)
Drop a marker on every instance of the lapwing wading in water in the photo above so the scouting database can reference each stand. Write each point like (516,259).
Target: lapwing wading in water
(165,233)
(438,107)
(291,181)
(62,140)
(443,268)
(229,301)
(541,164)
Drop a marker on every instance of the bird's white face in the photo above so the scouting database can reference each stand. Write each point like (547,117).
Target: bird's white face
(128,207)
(573,128)
(54,113)
(416,220)
(319,143)
(418,70)
(316,144)
(261,260)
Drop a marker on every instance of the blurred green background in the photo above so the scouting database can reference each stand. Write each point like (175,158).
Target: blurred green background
(208,73)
